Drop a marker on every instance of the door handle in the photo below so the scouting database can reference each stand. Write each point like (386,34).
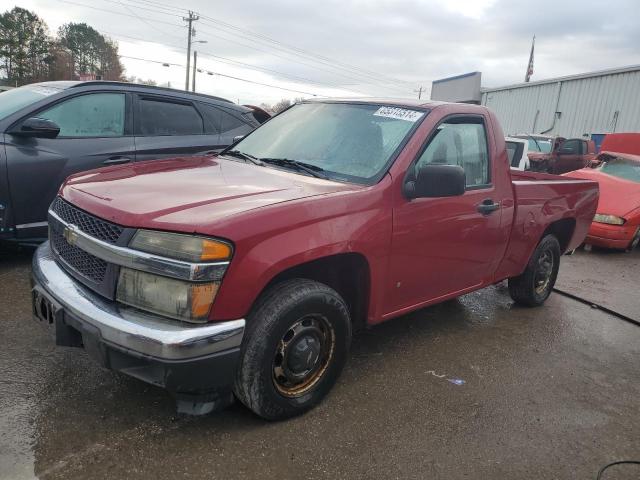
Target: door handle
(488,206)
(116,160)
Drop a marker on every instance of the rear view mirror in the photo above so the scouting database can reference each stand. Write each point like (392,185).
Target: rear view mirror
(437,181)
(38,127)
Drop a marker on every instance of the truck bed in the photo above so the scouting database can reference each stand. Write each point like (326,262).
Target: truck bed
(542,202)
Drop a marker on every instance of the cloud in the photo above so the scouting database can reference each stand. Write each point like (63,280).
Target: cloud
(396,45)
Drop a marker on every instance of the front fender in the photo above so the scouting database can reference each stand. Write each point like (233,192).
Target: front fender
(360,224)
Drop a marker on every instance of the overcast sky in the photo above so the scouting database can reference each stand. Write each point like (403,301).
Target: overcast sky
(354,47)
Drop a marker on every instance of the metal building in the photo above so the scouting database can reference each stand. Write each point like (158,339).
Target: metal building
(591,103)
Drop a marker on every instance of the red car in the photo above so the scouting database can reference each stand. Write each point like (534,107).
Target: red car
(617,220)
(247,272)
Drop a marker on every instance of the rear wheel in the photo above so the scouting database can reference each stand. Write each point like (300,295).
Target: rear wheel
(296,344)
(534,285)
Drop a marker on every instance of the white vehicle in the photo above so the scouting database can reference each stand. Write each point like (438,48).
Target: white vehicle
(517,149)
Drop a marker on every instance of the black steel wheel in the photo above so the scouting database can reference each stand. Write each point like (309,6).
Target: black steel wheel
(295,346)
(534,285)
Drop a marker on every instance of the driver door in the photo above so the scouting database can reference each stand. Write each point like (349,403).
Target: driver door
(446,245)
(94,132)
(569,156)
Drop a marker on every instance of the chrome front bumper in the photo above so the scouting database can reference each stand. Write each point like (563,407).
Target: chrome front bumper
(127,329)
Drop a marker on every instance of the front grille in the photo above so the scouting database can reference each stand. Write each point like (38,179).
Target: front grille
(96,227)
(93,272)
(93,268)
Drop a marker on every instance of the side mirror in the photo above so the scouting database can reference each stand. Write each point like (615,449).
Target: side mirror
(237,138)
(437,181)
(37,127)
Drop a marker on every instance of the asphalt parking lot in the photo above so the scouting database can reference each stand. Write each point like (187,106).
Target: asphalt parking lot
(475,388)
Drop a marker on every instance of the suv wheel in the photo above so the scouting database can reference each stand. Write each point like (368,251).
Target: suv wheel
(295,346)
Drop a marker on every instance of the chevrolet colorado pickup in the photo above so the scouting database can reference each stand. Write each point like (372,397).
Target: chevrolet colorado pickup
(245,273)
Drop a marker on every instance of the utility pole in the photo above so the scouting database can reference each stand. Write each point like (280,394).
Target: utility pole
(419,92)
(193,77)
(190,19)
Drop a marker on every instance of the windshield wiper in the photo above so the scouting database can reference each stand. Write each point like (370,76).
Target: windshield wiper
(244,156)
(312,170)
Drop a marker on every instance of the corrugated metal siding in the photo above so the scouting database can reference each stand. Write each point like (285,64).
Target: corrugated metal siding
(586,105)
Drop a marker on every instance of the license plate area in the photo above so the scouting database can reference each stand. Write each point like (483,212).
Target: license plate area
(44,309)
(51,314)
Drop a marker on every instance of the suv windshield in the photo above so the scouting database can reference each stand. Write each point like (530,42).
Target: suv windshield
(13,100)
(538,144)
(344,141)
(622,168)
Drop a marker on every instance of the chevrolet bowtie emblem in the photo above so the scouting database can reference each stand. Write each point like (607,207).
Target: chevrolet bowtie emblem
(70,234)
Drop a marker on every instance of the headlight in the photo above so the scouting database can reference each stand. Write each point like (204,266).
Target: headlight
(181,247)
(173,298)
(610,219)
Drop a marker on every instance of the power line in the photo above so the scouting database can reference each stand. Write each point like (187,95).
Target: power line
(229,61)
(142,19)
(308,55)
(222,75)
(207,32)
(217,36)
(277,42)
(114,12)
(295,51)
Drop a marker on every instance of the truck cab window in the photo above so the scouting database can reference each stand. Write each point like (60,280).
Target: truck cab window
(168,118)
(93,115)
(570,147)
(463,144)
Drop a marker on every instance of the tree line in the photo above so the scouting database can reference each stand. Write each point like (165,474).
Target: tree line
(28,53)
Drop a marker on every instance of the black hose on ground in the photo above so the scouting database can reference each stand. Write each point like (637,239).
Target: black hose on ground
(598,306)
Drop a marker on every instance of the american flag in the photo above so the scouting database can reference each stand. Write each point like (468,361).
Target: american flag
(530,66)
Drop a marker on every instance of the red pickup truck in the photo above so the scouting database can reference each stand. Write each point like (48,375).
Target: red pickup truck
(246,273)
(566,155)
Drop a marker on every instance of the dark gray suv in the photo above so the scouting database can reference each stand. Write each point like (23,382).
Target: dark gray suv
(50,130)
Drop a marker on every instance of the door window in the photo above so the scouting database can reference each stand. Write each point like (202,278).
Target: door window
(168,118)
(93,115)
(460,142)
(570,147)
(583,147)
(223,122)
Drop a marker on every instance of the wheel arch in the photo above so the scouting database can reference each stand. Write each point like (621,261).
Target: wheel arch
(563,230)
(348,274)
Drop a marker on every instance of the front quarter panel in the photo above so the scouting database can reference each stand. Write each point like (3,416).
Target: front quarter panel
(270,240)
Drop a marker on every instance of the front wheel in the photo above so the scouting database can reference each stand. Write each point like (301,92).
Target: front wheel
(634,242)
(534,285)
(296,344)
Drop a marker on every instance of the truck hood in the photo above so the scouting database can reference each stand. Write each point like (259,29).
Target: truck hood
(617,196)
(184,193)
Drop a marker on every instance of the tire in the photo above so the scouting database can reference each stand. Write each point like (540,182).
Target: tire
(535,284)
(634,242)
(299,328)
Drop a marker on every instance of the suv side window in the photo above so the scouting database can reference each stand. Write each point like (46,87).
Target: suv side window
(91,115)
(224,122)
(463,142)
(159,117)
(570,147)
